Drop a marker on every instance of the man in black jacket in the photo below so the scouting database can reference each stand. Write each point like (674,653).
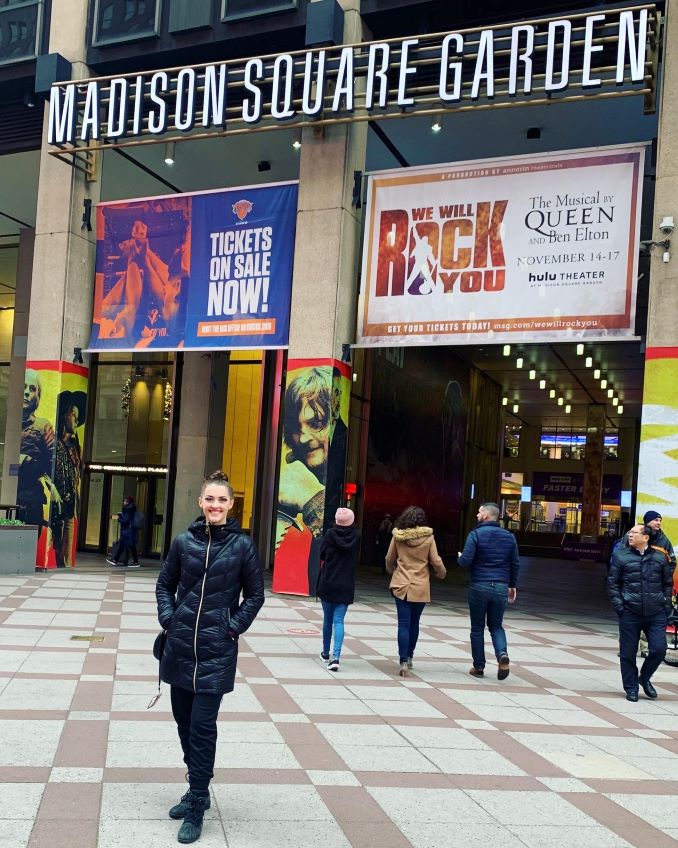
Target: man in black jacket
(491,554)
(639,585)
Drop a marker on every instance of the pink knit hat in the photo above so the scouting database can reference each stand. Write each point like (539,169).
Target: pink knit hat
(344,517)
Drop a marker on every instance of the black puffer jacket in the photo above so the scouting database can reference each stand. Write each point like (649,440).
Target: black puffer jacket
(338,557)
(640,583)
(199,605)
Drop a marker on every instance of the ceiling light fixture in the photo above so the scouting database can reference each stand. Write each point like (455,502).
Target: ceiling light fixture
(568,409)
(552,393)
(561,401)
(296,144)
(169,153)
(436,125)
(603,383)
(615,401)
(580,350)
(588,362)
(542,384)
(504,401)
(596,374)
(610,392)
(519,362)
(533,374)
(515,408)
(620,409)
(507,350)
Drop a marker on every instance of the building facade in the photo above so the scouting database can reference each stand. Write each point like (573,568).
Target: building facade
(195,275)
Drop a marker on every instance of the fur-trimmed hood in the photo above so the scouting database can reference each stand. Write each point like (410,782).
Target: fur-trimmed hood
(412,535)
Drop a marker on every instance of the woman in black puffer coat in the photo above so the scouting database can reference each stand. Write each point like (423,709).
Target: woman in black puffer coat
(198,594)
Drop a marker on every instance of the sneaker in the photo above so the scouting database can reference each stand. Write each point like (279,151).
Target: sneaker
(503,670)
(324,657)
(474,671)
(410,662)
(134,565)
(111,561)
(333,664)
(179,810)
(404,669)
(191,828)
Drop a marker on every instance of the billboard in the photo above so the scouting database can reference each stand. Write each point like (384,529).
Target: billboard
(569,486)
(210,270)
(50,461)
(527,248)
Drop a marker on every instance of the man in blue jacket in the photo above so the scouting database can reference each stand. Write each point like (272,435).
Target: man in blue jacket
(491,554)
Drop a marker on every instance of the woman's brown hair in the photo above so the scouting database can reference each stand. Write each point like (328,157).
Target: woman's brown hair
(413,516)
(220,479)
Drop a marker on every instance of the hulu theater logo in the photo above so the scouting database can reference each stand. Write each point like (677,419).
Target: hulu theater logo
(445,249)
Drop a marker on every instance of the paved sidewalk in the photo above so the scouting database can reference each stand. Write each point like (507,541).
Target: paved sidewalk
(553,756)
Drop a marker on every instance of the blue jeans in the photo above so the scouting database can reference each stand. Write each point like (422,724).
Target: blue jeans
(409,613)
(333,618)
(487,604)
(630,626)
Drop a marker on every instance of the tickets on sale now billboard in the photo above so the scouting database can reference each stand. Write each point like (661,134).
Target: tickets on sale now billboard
(206,270)
(529,247)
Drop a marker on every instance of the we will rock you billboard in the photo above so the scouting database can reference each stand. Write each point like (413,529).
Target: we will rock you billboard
(541,248)
(207,270)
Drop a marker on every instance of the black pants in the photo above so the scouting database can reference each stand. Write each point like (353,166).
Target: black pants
(630,627)
(125,551)
(196,718)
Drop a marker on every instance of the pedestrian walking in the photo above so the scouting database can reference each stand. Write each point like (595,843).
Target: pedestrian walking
(491,555)
(411,556)
(198,592)
(639,585)
(127,542)
(336,584)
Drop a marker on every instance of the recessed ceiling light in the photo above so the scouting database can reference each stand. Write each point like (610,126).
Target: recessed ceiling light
(603,383)
(296,144)
(596,374)
(542,384)
(580,350)
(519,362)
(561,401)
(552,393)
(169,153)
(588,362)
(533,374)
(568,408)
(620,409)
(504,401)
(615,401)
(610,392)
(507,350)
(515,408)
(436,125)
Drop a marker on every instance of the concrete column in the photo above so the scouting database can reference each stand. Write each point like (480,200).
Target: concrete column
(49,456)
(17,366)
(658,460)
(593,470)
(200,441)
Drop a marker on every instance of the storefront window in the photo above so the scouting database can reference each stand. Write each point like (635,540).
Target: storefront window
(611,444)
(511,440)
(132,409)
(123,20)
(20,26)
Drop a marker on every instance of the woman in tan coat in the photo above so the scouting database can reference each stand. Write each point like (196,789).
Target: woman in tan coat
(411,555)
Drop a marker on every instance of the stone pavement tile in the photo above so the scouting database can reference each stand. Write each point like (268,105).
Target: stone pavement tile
(90,697)
(129,833)
(383,758)
(331,707)
(526,808)
(571,717)
(78,801)
(433,805)
(58,662)
(67,774)
(640,819)
(368,734)
(463,761)
(630,747)
(270,803)
(555,836)
(83,744)
(565,784)
(332,778)
(16,833)
(37,694)
(233,755)
(20,801)
(28,743)
(24,774)
(440,737)
(404,709)
(311,748)
(255,834)
(11,661)
(470,834)
(142,801)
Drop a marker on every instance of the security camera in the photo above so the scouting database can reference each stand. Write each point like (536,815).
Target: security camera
(667,226)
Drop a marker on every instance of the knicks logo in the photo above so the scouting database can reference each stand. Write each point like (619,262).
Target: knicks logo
(242,209)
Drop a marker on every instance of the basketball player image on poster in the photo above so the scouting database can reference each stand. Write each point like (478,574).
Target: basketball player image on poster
(311,470)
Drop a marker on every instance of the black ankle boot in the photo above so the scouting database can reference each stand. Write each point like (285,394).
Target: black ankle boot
(178,811)
(191,828)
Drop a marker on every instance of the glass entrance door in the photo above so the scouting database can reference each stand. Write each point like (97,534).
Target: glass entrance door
(106,492)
